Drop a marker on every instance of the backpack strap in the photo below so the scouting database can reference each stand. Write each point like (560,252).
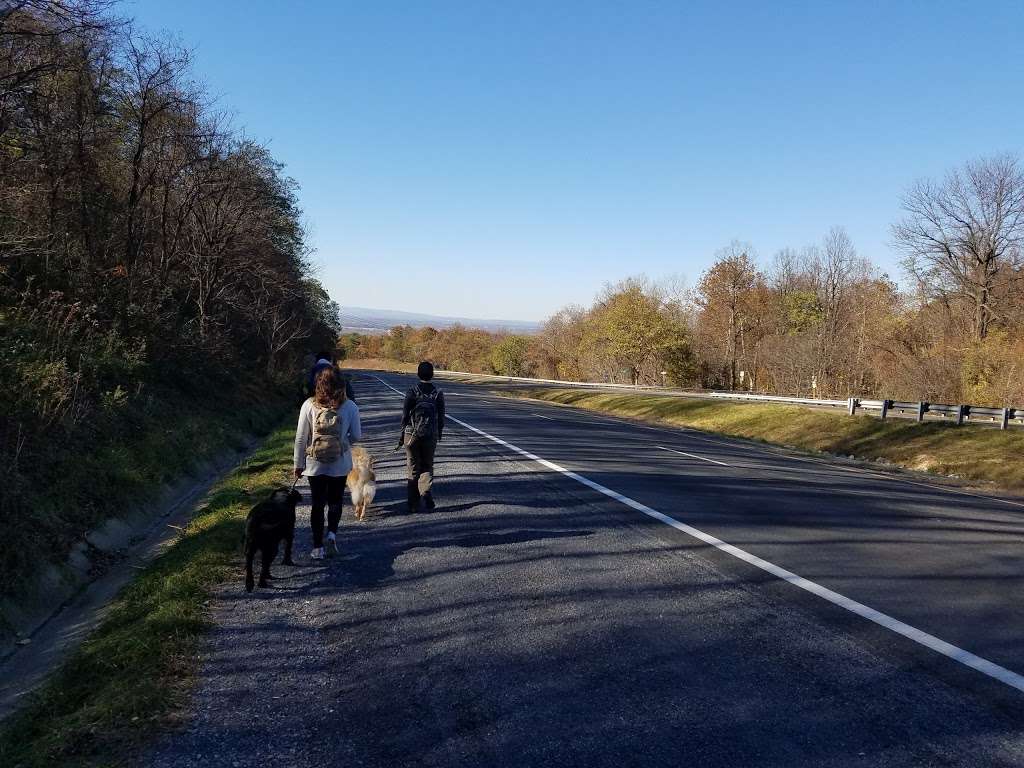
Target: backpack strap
(316,411)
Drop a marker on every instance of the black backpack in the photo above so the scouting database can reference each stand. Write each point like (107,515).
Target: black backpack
(423,419)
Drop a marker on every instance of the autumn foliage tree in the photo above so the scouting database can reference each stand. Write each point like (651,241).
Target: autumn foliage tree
(511,356)
(637,328)
(726,301)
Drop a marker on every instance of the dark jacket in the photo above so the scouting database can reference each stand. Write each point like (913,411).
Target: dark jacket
(410,402)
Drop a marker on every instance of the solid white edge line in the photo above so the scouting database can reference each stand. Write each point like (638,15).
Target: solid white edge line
(968,659)
(692,455)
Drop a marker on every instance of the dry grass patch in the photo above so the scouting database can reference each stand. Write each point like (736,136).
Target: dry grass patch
(379,364)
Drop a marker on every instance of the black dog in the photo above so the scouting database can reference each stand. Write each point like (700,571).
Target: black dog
(269,522)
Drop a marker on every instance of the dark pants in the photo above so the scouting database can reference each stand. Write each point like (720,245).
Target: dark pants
(419,461)
(330,492)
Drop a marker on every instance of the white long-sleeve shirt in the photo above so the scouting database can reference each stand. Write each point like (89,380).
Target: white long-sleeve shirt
(349,430)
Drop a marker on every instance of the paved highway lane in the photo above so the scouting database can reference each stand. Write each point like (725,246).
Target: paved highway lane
(533,621)
(947,562)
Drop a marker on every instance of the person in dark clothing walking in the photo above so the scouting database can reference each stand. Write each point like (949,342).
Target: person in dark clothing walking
(422,427)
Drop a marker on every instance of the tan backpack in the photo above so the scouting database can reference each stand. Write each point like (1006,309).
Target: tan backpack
(327,444)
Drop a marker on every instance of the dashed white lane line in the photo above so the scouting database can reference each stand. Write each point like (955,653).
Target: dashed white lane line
(968,659)
(542,416)
(693,456)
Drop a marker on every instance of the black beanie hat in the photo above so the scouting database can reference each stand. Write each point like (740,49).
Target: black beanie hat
(425,371)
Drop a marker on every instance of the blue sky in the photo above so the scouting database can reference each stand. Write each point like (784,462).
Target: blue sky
(496,159)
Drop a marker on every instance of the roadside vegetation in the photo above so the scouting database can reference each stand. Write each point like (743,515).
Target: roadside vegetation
(133,674)
(156,294)
(454,349)
(972,453)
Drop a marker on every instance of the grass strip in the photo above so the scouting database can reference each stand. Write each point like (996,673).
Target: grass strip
(134,672)
(973,453)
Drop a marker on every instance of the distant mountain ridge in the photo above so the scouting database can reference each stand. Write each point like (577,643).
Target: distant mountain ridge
(365,320)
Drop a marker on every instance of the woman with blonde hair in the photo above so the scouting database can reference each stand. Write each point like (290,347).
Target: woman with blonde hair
(328,425)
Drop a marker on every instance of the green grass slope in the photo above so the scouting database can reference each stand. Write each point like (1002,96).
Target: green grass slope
(133,673)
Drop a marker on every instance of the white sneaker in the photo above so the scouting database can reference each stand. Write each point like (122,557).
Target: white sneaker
(317,553)
(332,544)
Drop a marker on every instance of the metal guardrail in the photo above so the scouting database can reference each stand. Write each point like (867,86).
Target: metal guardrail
(780,399)
(1004,417)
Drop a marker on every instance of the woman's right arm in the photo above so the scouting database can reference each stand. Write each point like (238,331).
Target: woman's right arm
(355,429)
(302,431)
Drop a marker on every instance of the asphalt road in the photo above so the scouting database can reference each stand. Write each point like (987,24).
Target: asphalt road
(549,613)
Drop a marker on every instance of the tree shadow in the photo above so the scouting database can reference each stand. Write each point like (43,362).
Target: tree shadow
(369,565)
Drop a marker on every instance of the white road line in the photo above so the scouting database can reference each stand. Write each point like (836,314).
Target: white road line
(542,416)
(692,455)
(968,659)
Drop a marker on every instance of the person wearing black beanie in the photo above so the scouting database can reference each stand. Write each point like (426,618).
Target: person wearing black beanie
(422,428)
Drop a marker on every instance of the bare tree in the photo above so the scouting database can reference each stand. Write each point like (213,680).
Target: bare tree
(28,29)
(962,239)
(153,93)
(836,269)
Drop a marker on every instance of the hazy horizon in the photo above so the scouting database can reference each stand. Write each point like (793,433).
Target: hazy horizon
(399,317)
(504,161)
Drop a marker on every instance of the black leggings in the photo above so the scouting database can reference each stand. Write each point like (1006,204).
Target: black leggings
(328,491)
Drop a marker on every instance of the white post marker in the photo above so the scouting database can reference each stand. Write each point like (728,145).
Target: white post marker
(968,659)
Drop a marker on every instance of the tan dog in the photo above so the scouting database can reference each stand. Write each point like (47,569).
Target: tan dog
(361,481)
